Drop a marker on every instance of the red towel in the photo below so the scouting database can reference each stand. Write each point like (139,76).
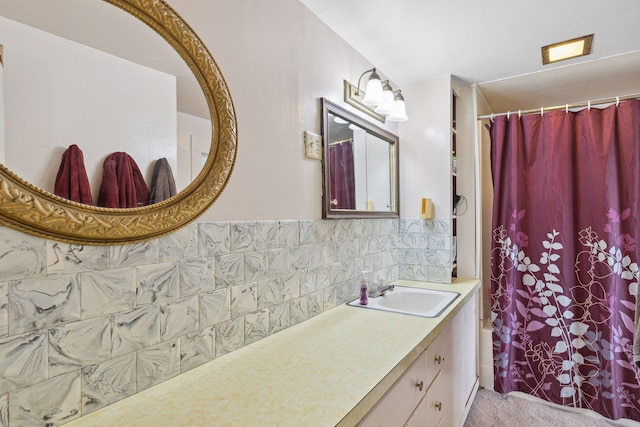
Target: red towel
(122,185)
(71,181)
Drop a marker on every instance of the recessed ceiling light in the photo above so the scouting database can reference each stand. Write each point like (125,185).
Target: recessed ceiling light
(567,49)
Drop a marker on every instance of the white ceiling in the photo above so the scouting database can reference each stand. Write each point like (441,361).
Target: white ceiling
(497,44)
(494,43)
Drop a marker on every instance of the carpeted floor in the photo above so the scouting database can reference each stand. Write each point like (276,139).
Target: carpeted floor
(496,410)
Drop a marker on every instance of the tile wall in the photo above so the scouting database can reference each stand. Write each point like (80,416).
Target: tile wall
(84,326)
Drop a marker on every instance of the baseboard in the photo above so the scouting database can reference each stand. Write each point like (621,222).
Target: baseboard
(486,355)
(467,406)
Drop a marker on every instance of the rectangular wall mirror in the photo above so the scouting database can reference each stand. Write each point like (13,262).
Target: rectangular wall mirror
(360,167)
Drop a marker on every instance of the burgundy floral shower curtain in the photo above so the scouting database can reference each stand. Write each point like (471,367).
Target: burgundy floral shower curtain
(565,256)
(342,179)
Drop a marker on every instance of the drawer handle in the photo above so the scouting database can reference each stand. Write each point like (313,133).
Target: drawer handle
(420,385)
(439,406)
(438,359)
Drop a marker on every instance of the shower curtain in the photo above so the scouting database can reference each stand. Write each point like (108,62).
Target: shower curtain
(342,179)
(564,273)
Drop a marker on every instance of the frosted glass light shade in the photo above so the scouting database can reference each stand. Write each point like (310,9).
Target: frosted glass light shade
(399,113)
(386,104)
(373,94)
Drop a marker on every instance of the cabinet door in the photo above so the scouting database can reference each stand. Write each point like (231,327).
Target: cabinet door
(397,405)
(464,378)
(419,416)
(457,379)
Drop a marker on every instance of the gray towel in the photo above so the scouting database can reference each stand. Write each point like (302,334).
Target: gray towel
(163,185)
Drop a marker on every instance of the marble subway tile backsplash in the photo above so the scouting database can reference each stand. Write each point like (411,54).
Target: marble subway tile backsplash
(82,327)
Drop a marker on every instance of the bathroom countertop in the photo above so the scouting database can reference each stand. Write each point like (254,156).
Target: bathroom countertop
(327,371)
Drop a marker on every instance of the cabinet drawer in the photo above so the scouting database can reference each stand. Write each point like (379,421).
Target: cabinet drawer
(437,356)
(396,406)
(419,416)
(436,401)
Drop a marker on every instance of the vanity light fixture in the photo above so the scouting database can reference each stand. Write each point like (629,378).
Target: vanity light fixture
(568,49)
(379,100)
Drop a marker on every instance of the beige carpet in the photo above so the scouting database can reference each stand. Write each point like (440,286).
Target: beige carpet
(491,409)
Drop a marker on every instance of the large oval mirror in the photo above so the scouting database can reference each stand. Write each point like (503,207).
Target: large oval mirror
(360,167)
(155,93)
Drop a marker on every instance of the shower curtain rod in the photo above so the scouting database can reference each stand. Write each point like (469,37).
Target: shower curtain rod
(340,142)
(566,107)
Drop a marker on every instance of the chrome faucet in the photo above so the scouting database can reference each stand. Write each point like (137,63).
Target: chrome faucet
(382,291)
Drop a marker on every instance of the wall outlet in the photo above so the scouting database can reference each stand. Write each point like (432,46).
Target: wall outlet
(312,145)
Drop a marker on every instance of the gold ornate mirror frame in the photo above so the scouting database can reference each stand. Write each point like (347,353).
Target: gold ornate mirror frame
(32,210)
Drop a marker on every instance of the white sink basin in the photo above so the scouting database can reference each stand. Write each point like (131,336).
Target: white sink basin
(414,301)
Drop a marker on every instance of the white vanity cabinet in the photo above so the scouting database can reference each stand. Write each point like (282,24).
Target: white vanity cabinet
(430,410)
(463,372)
(438,388)
(401,400)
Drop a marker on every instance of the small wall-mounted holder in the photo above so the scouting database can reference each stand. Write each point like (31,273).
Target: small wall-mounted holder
(426,209)
(312,145)
(458,199)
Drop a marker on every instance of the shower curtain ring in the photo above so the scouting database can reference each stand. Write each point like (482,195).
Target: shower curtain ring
(617,101)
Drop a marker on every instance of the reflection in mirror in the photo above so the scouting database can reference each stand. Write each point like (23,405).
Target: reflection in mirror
(29,208)
(360,167)
(79,80)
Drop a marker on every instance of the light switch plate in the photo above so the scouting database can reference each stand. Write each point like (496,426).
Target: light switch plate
(312,145)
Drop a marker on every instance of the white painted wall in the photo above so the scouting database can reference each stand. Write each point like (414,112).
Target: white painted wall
(279,60)
(2,143)
(467,232)
(59,93)
(425,148)
(360,168)
(378,173)
(194,141)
